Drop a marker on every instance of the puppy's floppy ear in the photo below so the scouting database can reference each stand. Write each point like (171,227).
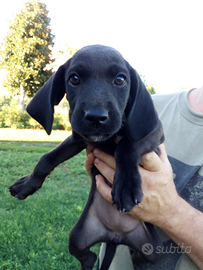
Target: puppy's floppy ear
(41,107)
(142,117)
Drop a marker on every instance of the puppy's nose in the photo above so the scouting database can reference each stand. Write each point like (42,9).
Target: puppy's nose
(96,117)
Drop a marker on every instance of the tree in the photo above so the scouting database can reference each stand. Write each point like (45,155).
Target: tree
(150,87)
(25,50)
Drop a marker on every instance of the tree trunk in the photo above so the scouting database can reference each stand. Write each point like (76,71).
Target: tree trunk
(22,99)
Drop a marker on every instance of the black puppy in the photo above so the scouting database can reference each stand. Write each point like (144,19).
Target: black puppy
(107,98)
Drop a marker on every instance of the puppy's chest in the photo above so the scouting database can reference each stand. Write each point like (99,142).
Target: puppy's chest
(108,146)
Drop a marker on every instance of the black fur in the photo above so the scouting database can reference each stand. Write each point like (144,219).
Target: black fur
(107,98)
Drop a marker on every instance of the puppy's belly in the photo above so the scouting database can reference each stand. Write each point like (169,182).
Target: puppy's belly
(117,223)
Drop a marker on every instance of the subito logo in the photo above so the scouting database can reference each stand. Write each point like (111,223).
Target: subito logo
(147,249)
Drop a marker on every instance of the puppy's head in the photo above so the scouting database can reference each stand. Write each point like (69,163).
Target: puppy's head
(97,87)
(102,89)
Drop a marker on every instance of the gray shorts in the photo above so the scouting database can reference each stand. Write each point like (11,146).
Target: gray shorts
(122,260)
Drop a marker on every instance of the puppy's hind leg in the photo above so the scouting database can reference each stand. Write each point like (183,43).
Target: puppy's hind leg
(146,242)
(86,257)
(87,232)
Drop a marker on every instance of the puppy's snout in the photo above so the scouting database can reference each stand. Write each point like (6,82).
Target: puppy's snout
(96,117)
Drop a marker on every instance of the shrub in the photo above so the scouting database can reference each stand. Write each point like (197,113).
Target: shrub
(61,122)
(9,114)
(24,120)
(12,117)
(34,124)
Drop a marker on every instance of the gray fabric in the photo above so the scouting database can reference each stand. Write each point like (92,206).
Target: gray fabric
(122,259)
(182,127)
(185,263)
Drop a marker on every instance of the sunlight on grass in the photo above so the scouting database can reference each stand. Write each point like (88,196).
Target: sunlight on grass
(34,232)
(7,134)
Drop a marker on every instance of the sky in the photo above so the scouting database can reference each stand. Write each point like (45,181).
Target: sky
(161,39)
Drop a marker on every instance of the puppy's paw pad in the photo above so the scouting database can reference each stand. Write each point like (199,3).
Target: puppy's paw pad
(24,187)
(126,199)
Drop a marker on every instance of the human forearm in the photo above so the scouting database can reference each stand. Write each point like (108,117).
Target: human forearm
(185,229)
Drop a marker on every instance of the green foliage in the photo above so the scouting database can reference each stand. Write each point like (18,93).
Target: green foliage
(25,51)
(150,87)
(11,116)
(61,122)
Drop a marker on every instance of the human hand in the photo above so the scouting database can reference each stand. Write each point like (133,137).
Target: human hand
(89,162)
(160,196)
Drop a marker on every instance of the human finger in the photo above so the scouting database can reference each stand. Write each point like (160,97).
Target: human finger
(108,159)
(152,162)
(105,170)
(89,149)
(89,162)
(103,188)
(163,155)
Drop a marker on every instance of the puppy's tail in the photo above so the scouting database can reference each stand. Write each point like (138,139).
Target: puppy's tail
(108,257)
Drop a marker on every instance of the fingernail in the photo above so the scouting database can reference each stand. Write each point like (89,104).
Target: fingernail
(96,161)
(96,152)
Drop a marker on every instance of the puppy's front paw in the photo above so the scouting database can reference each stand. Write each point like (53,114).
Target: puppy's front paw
(127,193)
(24,187)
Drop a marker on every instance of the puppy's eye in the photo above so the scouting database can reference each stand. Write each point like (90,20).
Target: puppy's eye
(74,79)
(120,80)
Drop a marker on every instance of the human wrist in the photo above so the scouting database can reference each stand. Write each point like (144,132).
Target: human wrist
(175,220)
(168,212)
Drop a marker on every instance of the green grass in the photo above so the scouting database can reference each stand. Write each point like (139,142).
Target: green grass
(34,233)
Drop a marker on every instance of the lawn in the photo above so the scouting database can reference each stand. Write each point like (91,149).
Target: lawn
(34,232)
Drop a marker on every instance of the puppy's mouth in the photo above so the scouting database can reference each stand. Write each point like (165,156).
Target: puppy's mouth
(96,137)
